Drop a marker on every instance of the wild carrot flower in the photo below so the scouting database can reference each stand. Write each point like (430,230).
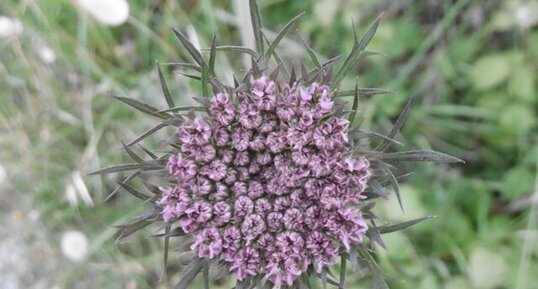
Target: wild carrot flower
(270,177)
(281,187)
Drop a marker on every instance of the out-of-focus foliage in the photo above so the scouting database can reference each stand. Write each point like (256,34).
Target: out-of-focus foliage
(471,67)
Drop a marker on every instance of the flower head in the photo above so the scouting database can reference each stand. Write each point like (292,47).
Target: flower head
(268,174)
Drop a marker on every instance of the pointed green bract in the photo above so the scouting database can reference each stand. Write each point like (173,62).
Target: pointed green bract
(364,92)
(397,126)
(354,55)
(194,267)
(142,106)
(164,87)
(256,20)
(355,105)
(311,53)
(396,187)
(420,156)
(213,55)
(281,34)
(127,167)
(193,52)
(148,133)
(400,226)
(134,192)
(131,153)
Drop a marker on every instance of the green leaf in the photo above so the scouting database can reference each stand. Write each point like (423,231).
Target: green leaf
(487,268)
(256,18)
(148,133)
(282,33)
(164,87)
(142,106)
(517,182)
(356,50)
(193,52)
(194,267)
(489,71)
(385,229)
(420,156)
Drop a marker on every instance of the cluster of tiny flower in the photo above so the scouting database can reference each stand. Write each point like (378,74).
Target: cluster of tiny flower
(266,183)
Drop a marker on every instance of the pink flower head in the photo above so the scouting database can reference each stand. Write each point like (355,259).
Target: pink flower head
(266,183)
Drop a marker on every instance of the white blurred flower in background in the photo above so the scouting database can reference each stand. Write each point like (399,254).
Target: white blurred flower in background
(10,27)
(46,54)
(74,245)
(525,14)
(108,12)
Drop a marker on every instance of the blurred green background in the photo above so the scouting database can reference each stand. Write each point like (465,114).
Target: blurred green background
(471,65)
